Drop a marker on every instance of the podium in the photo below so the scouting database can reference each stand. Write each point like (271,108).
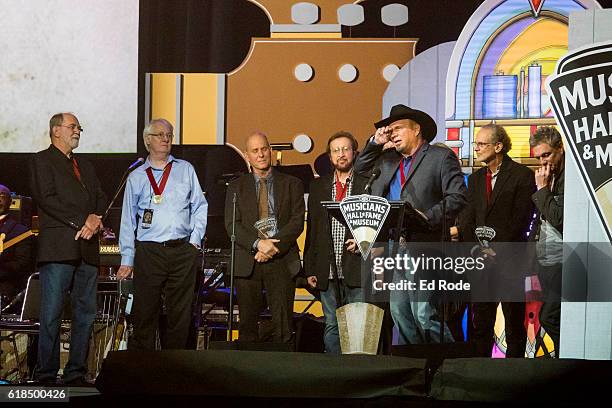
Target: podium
(399,215)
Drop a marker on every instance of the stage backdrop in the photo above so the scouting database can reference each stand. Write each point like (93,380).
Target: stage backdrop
(69,55)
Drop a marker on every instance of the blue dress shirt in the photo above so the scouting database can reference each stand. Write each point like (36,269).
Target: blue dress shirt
(181,214)
(395,187)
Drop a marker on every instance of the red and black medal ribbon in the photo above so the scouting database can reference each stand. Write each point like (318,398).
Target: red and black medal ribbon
(159,189)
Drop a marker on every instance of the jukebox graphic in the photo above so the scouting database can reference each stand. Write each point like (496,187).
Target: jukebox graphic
(498,69)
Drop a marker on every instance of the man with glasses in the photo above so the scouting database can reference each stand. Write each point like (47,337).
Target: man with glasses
(163,222)
(499,200)
(337,273)
(547,147)
(70,204)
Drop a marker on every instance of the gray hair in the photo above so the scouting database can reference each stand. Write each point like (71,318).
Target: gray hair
(546,134)
(149,127)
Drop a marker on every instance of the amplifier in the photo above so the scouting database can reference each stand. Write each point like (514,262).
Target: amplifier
(21,210)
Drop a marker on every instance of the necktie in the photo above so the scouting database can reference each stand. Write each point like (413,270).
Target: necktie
(75,168)
(403,171)
(489,179)
(263,199)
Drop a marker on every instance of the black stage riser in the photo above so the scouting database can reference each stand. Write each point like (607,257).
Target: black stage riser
(260,374)
(522,380)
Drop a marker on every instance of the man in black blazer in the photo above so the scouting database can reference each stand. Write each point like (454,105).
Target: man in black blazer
(336,273)
(499,197)
(267,255)
(425,176)
(70,206)
(16,261)
(547,233)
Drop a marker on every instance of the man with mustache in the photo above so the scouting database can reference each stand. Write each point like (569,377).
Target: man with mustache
(336,274)
(70,207)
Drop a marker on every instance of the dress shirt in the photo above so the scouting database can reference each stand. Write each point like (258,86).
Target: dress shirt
(338,230)
(395,187)
(181,214)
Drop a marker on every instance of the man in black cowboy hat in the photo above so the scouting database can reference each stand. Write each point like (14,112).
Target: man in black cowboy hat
(426,176)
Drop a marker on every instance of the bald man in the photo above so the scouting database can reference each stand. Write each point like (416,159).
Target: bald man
(269,219)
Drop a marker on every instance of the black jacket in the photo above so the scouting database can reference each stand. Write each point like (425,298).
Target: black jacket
(318,254)
(289,209)
(63,206)
(510,211)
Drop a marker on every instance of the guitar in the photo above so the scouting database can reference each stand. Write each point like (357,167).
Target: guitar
(11,242)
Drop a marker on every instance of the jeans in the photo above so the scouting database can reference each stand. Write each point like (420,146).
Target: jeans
(331,338)
(57,279)
(413,315)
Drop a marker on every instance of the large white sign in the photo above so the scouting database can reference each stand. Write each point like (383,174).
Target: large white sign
(79,56)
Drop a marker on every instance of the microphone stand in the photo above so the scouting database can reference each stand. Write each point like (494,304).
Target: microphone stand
(121,185)
(112,274)
(230,323)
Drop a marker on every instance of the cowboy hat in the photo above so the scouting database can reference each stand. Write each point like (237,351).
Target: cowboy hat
(398,112)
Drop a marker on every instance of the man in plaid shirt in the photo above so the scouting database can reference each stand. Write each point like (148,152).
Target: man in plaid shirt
(337,274)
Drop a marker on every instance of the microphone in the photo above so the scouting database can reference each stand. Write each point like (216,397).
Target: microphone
(137,163)
(16,300)
(373,176)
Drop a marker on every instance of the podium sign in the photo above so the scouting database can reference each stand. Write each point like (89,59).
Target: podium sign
(365,215)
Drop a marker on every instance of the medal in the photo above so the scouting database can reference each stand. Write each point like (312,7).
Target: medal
(158,190)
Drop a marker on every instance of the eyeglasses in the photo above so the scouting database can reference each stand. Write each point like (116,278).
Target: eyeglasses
(162,136)
(73,127)
(342,149)
(480,145)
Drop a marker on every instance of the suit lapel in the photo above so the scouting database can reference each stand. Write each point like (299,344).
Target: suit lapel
(417,161)
(327,186)
(392,166)
(249,191)
(278,192)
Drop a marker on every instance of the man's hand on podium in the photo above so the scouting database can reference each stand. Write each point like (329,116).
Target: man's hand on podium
(351,246)
(312,281)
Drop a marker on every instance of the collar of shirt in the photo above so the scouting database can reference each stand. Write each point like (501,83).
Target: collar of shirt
(496,172)
(149,164)
(269,178)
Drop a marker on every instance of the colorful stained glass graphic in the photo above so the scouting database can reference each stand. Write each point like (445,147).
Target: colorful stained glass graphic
(499,66)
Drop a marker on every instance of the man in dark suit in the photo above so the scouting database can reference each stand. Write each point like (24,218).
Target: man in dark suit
(70,207)
(16,261)
(269,219)
(499,197)
(425,176)
(336,273)
(547,147)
